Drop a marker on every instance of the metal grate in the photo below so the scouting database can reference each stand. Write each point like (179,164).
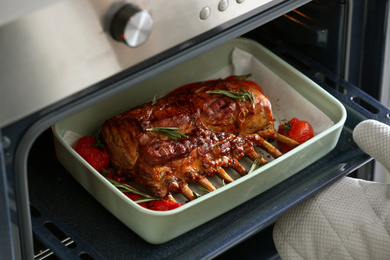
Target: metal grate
(52,243)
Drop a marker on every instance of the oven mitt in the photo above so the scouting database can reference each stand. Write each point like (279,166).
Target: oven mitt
(373,137)
(347,220)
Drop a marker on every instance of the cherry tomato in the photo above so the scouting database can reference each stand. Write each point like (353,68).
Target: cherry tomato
(134,197)
(93,152)
(254,84)
(298,130)
(162,205)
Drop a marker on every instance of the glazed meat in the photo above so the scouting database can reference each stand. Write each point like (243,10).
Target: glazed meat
(216,131)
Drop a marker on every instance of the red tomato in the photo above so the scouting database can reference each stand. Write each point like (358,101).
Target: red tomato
(254,84)
(88,148)
(162,205)
(298,130)
(134,197)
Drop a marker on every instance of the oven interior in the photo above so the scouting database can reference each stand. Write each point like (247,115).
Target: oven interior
(68,223)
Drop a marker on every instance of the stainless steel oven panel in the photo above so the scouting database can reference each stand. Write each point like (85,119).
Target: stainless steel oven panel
(13,9)
(56,51)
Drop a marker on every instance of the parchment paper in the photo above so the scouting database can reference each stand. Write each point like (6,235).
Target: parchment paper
(286,102)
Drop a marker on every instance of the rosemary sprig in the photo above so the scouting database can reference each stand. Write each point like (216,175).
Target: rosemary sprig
(171,132)
(256,164)
(235,95)
(141,200)
(127,188)
(196,195)
(203,189)
(243,77)
(235,121)
(231,94)
(154,101)
(249,94)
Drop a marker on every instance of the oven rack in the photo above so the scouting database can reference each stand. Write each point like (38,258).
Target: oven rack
(97,234)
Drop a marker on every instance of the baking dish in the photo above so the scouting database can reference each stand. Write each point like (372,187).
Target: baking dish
(159,227)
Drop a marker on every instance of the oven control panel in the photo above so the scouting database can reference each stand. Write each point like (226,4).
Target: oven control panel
(172,22)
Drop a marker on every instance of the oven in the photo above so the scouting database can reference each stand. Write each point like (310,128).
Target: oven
(62,57)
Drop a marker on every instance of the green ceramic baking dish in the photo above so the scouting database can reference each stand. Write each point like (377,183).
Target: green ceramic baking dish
(238,56)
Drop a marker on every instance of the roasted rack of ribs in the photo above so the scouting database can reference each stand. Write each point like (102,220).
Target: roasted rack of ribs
(216,124)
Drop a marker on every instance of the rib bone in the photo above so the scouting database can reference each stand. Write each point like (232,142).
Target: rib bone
(271,149)
(206,184)
(239,168)
(223,175)
(286,140)
(186,191)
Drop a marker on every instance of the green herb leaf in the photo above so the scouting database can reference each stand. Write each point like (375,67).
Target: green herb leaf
(171,132)
(242,77)
(141,200)
(196,195)
(286,127)
(123,187)
(203,189)
(249,95)
(154,101)
(235,95)
(256,164)
(235,121)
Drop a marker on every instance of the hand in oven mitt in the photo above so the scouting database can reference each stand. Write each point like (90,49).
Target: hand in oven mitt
(347,220)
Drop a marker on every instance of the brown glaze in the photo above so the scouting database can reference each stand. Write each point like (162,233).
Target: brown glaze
(220,132)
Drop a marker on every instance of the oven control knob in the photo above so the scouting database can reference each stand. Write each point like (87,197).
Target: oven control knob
(131,25)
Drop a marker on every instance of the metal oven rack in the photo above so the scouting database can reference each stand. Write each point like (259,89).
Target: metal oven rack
(93,233)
